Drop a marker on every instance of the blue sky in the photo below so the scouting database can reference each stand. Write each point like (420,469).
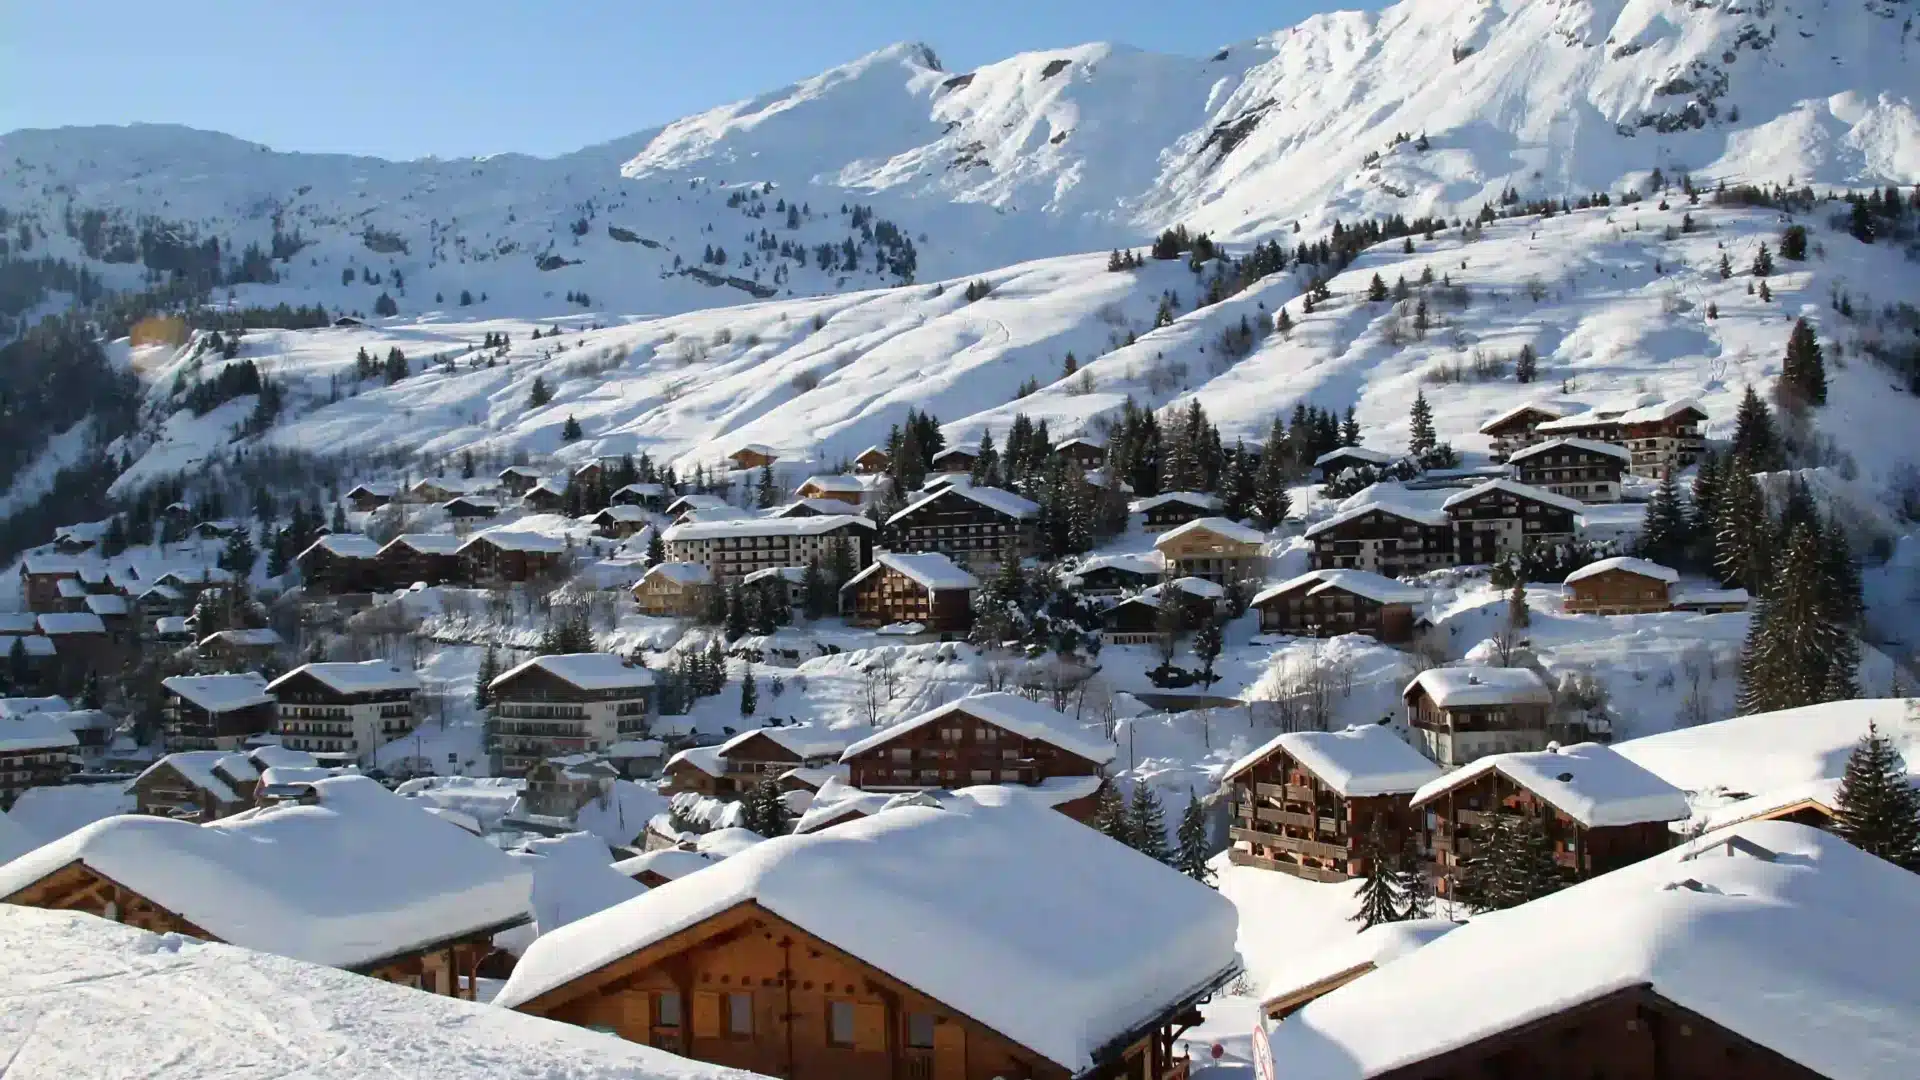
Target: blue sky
(406,78)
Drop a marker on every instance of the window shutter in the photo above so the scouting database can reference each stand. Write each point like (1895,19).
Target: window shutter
(870,1027)
(706,1014)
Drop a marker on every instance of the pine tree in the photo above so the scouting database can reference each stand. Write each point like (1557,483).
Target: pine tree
(1536,873)
(1664,533)
(1755,441)
(1190,857)
(656,548)
(1742,541)
(1271,503)
(1147,823)
(1526,367)
(1804,374)
(1878,809)
(538,395)
(1208,641)
(1283,322)
(818,595)
(1350,429)
(1416,888)
(570,431)
(1423,440)
(483,679)
(749,693)
(1380,900)
(1763,262)
(1794,643)
(1483,880)
(1518,614)
(1726,266)
(1793,243)
(736,621)
(766,494)
(1110,814)
(1377,290)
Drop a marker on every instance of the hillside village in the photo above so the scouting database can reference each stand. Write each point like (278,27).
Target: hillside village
(981,654)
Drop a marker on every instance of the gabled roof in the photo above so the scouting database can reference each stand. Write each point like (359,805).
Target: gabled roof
(753,448)
(107,604)
(1592,418)
(1465,687)
(1218,526)
(1627,565)
(252,638)
(931,570)
(366,677)
(221,693)
(792,575)
(36,731)
(1149,565)
(1665,410)
(1018,898)
(1791,938)
(212,771)
(951,452)
(801,740)
(1588,445)
(1316,971)
(54,623)
(1764,752)
(1011,712)
(643,490)
(705,758)
(799,507)
(1081,440)
(1519,491)
(21,706)
(622,512)
(1197,499)
(681,573)
(427,543)
(1548,408)
(526,471)
(477,502)
(588,671)
(380,490)
(670,863)
(357,877)
(1376,587)
(1356,453)
(871,451)
(1198,588)
(1360,762)
(696,501)
(1436,518)
(996,499)
(1589,783)
(849,484)
(790,526)
(535,543)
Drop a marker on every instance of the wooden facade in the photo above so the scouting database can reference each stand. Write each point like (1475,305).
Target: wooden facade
(679,591)
(537,714)
(752,457)
(959,749)
(1503,518)
(966,528)
(517,480)
(1082,452)
(1382,540)
(1577,468)
(1450,823)
(1311,607)
(1460,734)
(882,594)
(1292,821)
(1176,508)
(432,558)
(748,989)
(191,726)
(832,489)
(164,791)
(1213,549)
(24,766)
(1617,592)
(872,461)
(1516,429)
(488,559)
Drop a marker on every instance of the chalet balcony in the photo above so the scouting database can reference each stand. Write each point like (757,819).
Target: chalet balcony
(1288,792)
(1286,817)
(1313,849)
(1179,1069)
(1310,873)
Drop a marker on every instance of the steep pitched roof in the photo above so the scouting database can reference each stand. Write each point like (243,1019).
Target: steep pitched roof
(1518,490)
(1359,762)
(1028,719)
(1642,567)
(588,671)
(1375,587)
(1552,411)
(1589,783)
(366,677)
(995,499)
(221,693)
(1588,445)
(1464,687)
(931,570)
(1435,518)
(1218,526)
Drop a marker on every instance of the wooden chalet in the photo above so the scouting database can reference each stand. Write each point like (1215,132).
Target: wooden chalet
(1144,619)
(197,786)
(973,526)
(470,509)
(886,969)
(340,563)
(926,588)
(1082,451)
(620,520)
(997,738)
(1711,601)
(1599,810)
(732,548)
(1518,427)
(841,489)
(1136,620)
(955,459)
(40,578)
(78,539)
(1461,714)
(366,498)
(570,703)
(1109,577)
(433,558)
(517,480)
(239,648)
(215,529)
(590,474)
(1383,538)
(496,557)
(348,876)
(698,500)
(1306,802)
(779,586)
(872,461)
(1576,468)
(674,590)
(1174,508)
(1620,586)
(546,497)
(346,709)
(1503,517)
(700,770)
(1328,603)
(1664,438)
(751,757)
(36,750)
(1213,549)
(1340,459)
(752,456)
(1312,974)
(215,712)
(655,868)
(651,496)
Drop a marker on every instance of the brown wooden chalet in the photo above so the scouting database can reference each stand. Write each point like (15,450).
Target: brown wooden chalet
(365,498)
(1306,802)
(972,526)
(41,578)
(752,456)
(997,738)
(340,563)
(871,461)
(215,712)
(517,480)
(1340,459)
(1599,810)
(36,750)
(1461,714)
(1620,586)
(546,497)
(925,588)
(1114,576)
(1175,508)
(495,557)
(1082,451)
(650,496)
(469,509)
(620,521)
(1664,438)
(783,982)
(1576,468)
(1328,603)
(1503,517)
(847,490)
(430,557)
(1213,549)
(955,459)
(745,760)
(1518,427)
(674,590)
(197,785)
(1383,538)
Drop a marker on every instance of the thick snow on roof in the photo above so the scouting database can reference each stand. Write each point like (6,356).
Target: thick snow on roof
(1767,751)
(1003,910)
(1219,526)
(1465,687)
(251,638)
(1703,597)
(838,800)
(365,677)
(588,671)
(253,1015)
(428,543)
(1148,565)
(1589,783)
(49,813)
(1196,587)
(1187,498)
(573,877)
(485,799)
(20,706)
(15,840)
(803,740)
(622,512)
(1665,410)
(1376,587)
(753,526)
(931,570)
(71,622)
(221,693)
(1398,510)
(1552,410)
(705,758)
(1361,761)
(209,770)
(1519,490)
(794,575)
(105,604)
(1589,445)
(507,540)
(683,573)
(727,842)
(1809,954)
(840,482)
(1376,946)
(670,863)
(355,878)
(1028,719)
(345,546)
(34,644)
(1005,502)
(1626,564)
(1584,420)
(1355,453)
(35,731)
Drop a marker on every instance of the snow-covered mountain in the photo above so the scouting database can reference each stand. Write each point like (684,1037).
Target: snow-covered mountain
(1040,154)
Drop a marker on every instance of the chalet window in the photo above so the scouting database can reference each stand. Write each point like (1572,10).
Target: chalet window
(666,1009)
(950,734)
(840,1024)
(983,776)
(920,1031)
(984,733)
(740,1016)
(902,753)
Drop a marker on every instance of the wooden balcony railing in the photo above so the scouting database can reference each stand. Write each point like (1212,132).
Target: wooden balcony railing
(1179,1069)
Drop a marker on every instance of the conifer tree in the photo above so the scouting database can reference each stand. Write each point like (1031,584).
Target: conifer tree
(1763,262)
(1726,266)
(1793,243)
(656,548)
(1804,374)
(1754,439)
(1878,809)
(1664,532)
(1518,614)
(749,693)
(1271,503)
(483,680)
(1147,823)
(1483,879)
(1110,814)
(1283,322)
(1350,429)
(1526,367)
(1190,857)
(817,594)
(736,624)
(538,395)
(570,431)
(1380,899)
(1423,440)
(766,494)
(1742,544)
(1416,888)
(1796,652)
(1377,290)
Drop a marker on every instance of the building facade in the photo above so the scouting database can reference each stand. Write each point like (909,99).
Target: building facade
(1518,428)
(1576,468)
(1214,549)
(1620,586)
(997,738)
(1461,714)
(732,549)
(344,708)
(215,712)
(1382,538)
(573,703)
(1328,603)
(973,526)
(1504,517)
(926,588)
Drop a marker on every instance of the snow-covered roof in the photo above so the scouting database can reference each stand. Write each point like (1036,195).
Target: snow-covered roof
(1589,783)
(1552,411)
(34,644)
(1186,498)
(852,485)
(321,1023)
(18,622)
(735,527)
(250,638)
(1003,911)
(1198,588)
(1405,513)
(801,740)
(71,622)
(212,771)
(1218,526)
(792,575)
(1081,440)
(21,706)
(106,604)
(273,755)
(221,693)
(427,543)
(1518,490)
(172,626)
(588,671)
(622,512)
(573,877)
(1704,597)
(1355,453)
(1661,411)
(1301,973)
(374,488)
(1466,687)
(1764,752)
(15,840)
(356,877)
(36,731)
(931,570)
(682,573)
(70,588)
(1360,762)
(699,500)
(754,448)
(1011,712)
(837,801)
(669,863)
(705,758)
(1375,587)
(1627,565)
(526,471)
(1581,421)
(344,546)
(506,540)
(727,842)
(1148,565)
(366,677)
(1806,953)
(488,506)
(995,499)
(1588,445)
(643,490)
